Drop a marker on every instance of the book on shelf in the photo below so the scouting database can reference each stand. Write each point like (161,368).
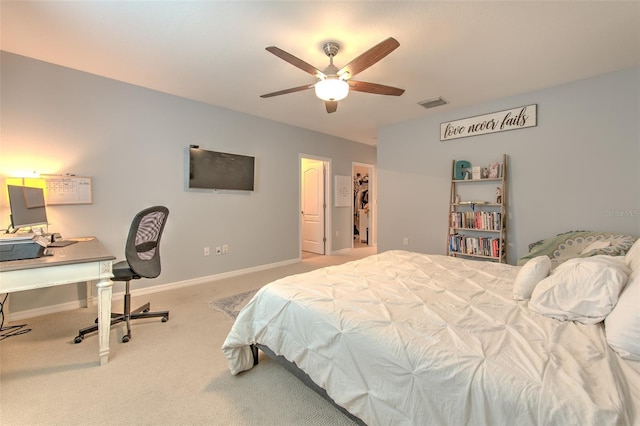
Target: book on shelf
(482,246)
(487,221)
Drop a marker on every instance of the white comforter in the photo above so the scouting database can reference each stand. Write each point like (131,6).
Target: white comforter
(407,338)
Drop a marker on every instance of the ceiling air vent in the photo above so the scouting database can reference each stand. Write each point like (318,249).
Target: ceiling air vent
(430,103)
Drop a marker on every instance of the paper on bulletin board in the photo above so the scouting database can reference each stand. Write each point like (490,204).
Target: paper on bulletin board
(68,190)
(344,191)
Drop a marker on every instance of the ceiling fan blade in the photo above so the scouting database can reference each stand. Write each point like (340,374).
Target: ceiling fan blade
(378,89)
(296,62)
(285,91)
(370,57)
(332,106)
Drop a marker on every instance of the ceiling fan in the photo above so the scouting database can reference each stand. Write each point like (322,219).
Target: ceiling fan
(333,84)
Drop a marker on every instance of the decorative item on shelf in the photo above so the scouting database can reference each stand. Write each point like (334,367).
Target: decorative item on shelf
(485,172)
(494,170)
(498,195)
(476,172)
(460,171)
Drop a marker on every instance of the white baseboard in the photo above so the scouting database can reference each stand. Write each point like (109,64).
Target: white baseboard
(45,310)
(68,306)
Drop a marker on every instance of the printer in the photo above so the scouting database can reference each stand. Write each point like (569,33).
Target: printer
(20,246)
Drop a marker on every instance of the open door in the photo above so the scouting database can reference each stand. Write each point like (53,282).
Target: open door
(364,207)
(312,205)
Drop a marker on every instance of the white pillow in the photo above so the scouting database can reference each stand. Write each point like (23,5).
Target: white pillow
(534,271)
(632,258)
(622,325)
(581,289)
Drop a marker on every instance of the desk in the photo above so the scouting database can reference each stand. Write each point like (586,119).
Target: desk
(79,262)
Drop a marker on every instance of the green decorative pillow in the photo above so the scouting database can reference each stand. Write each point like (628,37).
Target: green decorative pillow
(574,244)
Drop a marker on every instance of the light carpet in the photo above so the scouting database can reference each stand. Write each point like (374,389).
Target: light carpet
(171,373)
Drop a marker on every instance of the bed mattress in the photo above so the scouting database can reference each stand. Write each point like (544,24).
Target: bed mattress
(408,338)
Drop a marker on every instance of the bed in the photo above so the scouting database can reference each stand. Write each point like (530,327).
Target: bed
(404,338)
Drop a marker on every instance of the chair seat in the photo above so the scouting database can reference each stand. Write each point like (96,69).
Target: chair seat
(123,272)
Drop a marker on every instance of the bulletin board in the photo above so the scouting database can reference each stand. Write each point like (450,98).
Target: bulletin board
(344,191)
(68,189)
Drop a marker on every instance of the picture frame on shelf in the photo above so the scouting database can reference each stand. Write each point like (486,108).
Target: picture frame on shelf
(476,172)
(494,170)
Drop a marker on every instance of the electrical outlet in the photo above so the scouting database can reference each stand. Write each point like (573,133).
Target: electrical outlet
(337,234)
(207,251)
(225,249)
(405,241)
(218,251)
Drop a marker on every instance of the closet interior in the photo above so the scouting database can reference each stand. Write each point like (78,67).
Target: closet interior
(361,213)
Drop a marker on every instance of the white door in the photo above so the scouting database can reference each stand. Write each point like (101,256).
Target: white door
(313,206)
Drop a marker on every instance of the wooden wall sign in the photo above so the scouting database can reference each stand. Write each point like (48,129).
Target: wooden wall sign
(511,119)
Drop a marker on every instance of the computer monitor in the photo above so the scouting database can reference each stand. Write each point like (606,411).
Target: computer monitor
(27,206)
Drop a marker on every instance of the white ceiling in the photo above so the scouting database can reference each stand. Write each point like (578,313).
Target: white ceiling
(214,51)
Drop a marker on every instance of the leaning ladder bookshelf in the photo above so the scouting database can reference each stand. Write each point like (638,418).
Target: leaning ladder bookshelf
(477,226)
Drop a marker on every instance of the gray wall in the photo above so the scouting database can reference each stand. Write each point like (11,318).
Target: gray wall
(577,170)
(132,142)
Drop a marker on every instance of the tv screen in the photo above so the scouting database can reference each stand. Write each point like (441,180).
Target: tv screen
(220,170)
(27,206)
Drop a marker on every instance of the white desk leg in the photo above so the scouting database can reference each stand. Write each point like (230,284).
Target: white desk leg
(105,290)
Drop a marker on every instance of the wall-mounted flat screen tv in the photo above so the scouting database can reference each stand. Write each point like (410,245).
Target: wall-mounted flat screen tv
(220,170)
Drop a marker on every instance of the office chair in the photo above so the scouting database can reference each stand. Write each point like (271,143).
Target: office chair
(143,261)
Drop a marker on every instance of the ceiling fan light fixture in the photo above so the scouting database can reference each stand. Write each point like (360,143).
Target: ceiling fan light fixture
(332,89)
(332,85)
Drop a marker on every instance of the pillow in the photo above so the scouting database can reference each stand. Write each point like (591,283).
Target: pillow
(574,244)
(596,245)
(632,258)
(622,325)
(529,275)
(582,289)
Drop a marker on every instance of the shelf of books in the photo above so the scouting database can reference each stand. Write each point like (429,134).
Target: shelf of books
(477,225)
(487,247)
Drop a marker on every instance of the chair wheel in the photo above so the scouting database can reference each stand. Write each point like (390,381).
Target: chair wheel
(126,338)
(78,339)
(165,319)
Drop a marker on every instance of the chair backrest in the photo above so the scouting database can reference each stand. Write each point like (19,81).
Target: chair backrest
(143,243)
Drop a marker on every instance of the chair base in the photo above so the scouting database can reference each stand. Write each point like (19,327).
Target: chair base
(141,312)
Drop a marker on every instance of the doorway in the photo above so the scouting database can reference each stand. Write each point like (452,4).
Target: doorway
(314,215)
(363,208)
